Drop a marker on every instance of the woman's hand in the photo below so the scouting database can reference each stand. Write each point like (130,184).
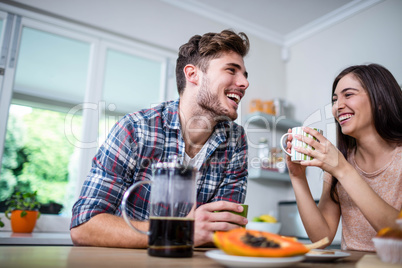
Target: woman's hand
(295,170)
(326,155)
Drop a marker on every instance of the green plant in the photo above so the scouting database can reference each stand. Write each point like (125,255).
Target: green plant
(22,201)
(1,223)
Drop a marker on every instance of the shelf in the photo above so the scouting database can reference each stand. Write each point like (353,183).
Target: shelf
(260,174)
(262,120)
(272,123)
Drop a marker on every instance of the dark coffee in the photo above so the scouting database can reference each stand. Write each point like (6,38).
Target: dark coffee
(171,237)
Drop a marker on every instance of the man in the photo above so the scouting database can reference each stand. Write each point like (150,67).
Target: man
(198,127)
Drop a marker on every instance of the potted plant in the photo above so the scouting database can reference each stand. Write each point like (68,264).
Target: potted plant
(24,210)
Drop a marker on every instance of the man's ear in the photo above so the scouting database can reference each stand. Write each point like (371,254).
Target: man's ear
(191,73)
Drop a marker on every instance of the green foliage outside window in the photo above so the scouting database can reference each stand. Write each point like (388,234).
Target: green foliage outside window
(36,156)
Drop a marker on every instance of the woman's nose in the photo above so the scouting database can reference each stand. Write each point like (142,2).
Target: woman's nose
(340,103)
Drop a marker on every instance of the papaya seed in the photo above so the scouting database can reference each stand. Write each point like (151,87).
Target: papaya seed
(259,241)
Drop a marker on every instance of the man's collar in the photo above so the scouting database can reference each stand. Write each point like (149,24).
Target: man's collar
(171,115)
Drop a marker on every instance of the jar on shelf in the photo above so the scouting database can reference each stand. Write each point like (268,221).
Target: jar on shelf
(264,153)
(278,161)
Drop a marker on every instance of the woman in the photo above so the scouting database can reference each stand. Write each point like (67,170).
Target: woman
(363,176)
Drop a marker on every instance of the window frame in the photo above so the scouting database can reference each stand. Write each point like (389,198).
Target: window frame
(99,42)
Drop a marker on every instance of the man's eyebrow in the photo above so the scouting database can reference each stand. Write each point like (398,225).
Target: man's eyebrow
(238,67)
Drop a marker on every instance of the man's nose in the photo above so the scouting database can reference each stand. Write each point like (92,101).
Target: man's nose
(242,82)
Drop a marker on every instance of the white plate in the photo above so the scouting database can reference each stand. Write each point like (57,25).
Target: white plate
(240,261)
(325,257)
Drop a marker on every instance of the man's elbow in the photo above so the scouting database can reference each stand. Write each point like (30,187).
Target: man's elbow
(78,237)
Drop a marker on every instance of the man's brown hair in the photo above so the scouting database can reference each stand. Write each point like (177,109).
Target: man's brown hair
(199,50)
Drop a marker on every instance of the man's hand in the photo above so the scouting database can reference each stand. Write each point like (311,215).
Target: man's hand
(207,221)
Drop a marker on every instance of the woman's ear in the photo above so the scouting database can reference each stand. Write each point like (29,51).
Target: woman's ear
(191,73)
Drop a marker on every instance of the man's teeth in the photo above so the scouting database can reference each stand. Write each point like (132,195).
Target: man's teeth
(345,116)
(234,97)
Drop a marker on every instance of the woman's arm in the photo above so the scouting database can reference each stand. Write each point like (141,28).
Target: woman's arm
(326,156)
(319,221)
(377,212)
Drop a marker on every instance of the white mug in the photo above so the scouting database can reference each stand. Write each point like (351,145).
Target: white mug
(296,156)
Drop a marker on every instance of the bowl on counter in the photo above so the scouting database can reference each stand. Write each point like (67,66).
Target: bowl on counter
(264,226)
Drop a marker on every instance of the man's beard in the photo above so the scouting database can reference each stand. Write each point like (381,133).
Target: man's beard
(210,103)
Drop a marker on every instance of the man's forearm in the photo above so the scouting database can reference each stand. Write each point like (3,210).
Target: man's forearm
(106,230)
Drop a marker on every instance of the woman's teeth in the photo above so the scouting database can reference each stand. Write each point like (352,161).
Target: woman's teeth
(234,97)
(344,117)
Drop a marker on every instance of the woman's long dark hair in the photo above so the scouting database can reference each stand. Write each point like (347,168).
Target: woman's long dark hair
(386,107)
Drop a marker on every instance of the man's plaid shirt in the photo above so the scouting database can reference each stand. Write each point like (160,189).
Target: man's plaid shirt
(149,136)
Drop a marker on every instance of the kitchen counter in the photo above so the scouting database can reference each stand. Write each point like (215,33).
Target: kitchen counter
(35,238)
(69,256)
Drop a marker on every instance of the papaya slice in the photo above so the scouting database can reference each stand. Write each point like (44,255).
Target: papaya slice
(219,240)
(252,243)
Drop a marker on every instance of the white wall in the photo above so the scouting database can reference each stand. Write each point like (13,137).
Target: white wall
(374,35)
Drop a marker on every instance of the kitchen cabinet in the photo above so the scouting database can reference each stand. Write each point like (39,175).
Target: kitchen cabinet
(279,124)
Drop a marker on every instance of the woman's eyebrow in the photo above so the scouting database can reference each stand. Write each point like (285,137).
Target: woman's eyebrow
(345,89)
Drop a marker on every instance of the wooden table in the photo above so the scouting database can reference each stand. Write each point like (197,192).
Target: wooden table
(69,256)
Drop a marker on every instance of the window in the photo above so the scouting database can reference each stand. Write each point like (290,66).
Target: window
(50,78)
(131,83)
(1,27)
(37,156)
(131,76)
(64,86)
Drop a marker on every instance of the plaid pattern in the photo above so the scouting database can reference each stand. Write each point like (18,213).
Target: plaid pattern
(149,136)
